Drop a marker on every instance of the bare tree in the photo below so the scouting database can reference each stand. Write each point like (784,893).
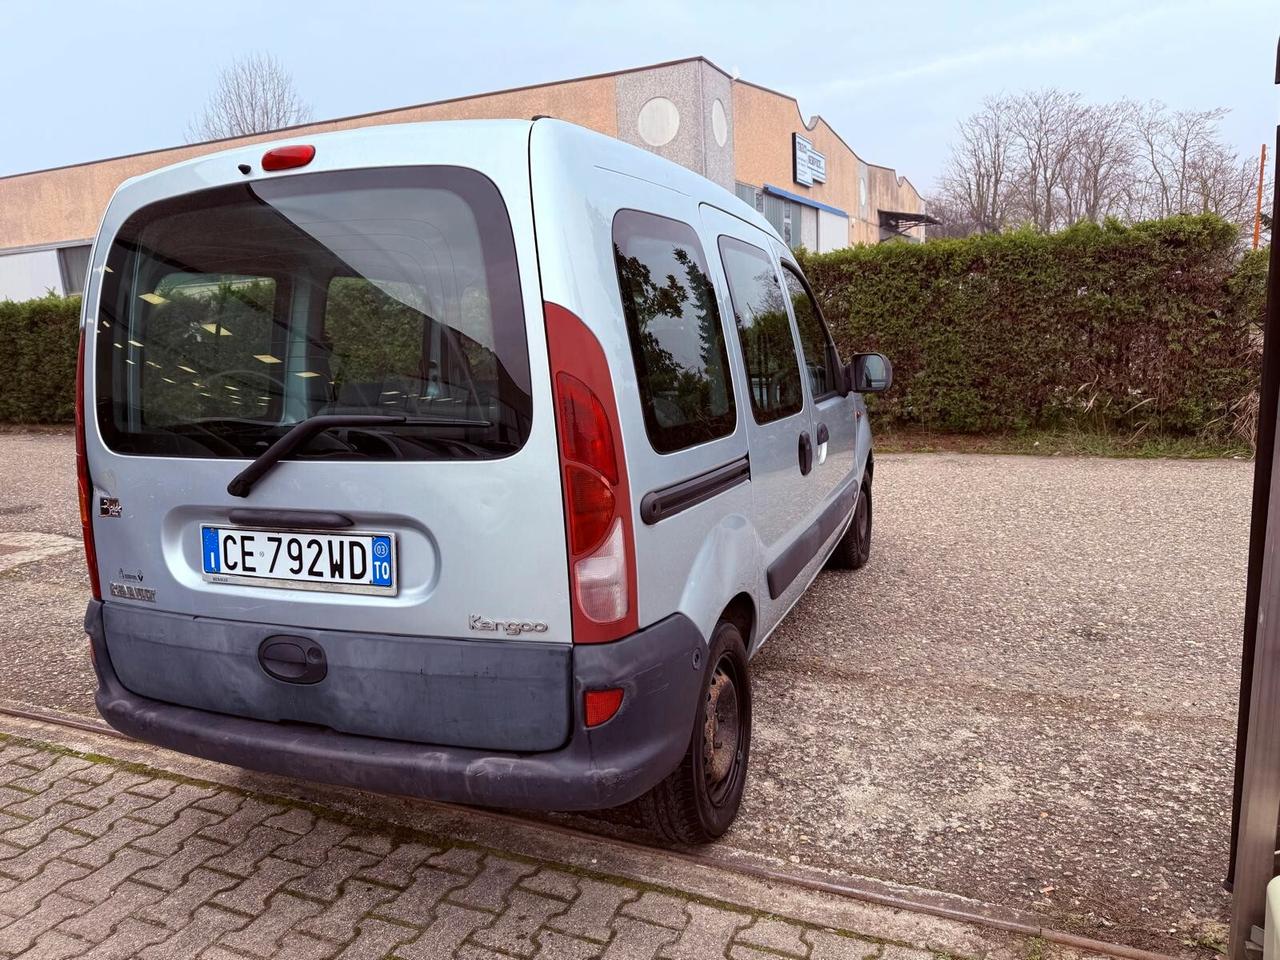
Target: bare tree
(255,94)
(1043,128)
(1096,174)
(977,184)
(1175,149)
(1186,168)
(1047,159)
(1224,184)
(954,219)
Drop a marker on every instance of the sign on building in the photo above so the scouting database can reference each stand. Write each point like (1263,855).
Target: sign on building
(809,166)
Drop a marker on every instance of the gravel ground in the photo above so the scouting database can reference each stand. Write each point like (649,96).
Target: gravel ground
(1027,697)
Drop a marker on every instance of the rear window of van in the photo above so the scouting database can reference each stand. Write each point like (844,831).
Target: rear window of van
(229,315)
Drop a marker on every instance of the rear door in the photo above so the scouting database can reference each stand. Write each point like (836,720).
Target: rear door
(780,424)
(394,276)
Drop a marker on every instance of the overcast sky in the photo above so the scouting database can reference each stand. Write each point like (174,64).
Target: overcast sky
(85,79)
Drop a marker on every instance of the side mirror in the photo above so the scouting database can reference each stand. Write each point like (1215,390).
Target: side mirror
(870,373)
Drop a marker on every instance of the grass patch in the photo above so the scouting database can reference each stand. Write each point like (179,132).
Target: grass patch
(1064,443)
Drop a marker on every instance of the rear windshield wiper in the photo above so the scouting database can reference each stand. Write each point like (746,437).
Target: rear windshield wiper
(298,436)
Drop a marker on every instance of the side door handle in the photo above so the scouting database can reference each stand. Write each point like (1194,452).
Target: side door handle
(823,434)
(806,453)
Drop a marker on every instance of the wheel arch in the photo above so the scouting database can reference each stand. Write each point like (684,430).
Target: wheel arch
(741,612)
(723,578)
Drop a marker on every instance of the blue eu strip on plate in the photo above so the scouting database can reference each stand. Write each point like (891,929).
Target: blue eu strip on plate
(209,541)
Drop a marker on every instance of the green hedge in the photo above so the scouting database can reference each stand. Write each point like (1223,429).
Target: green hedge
(40,338)
(1153,326)
(1128,327)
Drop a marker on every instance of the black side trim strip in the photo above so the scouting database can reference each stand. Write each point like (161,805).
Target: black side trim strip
(797,556)
(668,501)
(289,519)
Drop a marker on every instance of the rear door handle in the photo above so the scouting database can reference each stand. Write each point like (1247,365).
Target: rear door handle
(823,434)
(806,454)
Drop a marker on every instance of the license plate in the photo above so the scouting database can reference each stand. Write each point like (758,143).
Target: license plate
(334,562)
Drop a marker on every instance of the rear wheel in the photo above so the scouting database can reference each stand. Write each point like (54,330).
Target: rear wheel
(699,800)
(853,549)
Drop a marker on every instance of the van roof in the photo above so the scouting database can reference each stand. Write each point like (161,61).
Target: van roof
(622,157)
(610,152)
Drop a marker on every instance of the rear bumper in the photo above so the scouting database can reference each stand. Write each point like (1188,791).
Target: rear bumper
(659,668)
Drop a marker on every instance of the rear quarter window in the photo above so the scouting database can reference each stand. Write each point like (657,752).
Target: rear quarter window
(677,338)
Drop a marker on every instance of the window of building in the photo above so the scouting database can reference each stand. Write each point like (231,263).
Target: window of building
(820,358)
(752,196)
(784,216)
(73,266)
(764,330)
(677,339)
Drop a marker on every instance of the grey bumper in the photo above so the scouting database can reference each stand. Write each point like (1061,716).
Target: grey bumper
(659,668)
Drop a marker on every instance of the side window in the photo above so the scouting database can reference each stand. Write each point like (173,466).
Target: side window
(760,314)
(677,339)
(820,357)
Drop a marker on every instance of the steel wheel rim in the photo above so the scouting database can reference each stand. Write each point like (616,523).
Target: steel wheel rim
(722,731)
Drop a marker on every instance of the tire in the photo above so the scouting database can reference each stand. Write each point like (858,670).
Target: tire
(853,549)
(699,800)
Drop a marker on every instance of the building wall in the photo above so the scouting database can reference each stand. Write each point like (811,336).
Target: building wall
(680,97)
(66,203)
(765,122)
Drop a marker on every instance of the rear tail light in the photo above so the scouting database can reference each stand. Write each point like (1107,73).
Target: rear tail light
(84,485)
(585,433)
(591,504)
(597,500)
(600,580)
(600,705)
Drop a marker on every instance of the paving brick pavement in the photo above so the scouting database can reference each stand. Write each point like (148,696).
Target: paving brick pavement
(101,859)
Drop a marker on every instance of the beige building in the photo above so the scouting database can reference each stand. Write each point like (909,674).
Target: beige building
(800,174)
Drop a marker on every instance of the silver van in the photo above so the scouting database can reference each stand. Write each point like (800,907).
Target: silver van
(465,460)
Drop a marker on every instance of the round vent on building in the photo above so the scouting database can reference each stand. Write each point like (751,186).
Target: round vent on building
(659,121)
(719,122)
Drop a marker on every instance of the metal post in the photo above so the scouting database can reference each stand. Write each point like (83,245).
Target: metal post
(1257,213)
(1260,787)
(1258,750)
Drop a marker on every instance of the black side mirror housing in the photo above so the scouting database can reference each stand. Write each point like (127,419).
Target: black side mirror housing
(869,373)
